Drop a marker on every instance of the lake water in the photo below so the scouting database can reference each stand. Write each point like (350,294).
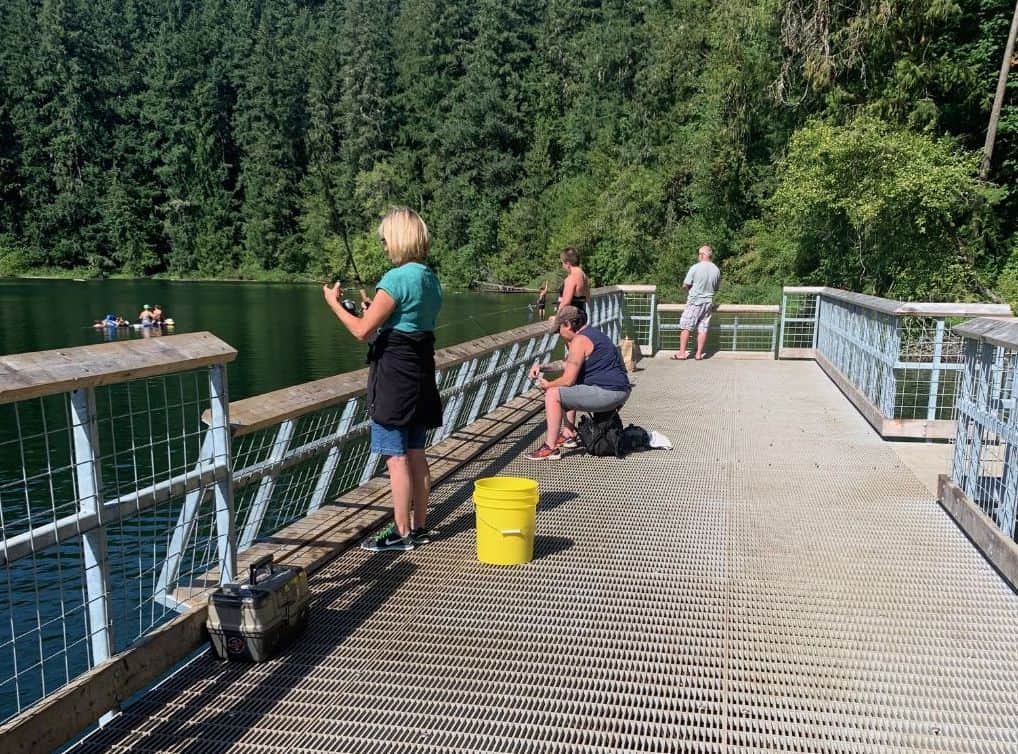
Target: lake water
(284,333)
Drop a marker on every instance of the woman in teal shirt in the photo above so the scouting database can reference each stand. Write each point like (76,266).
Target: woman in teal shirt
(403,399)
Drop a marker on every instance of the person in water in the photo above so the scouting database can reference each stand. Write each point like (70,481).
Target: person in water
(403,398)
(145,317)
(157,314)
(542,299)
(575,289)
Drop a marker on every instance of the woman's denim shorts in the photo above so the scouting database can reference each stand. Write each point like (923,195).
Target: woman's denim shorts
(389,440)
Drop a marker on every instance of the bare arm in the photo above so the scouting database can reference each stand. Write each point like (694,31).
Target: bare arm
(579,350)
(568,291)
(363,327)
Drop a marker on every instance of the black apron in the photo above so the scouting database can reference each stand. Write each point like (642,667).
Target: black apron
(401,380)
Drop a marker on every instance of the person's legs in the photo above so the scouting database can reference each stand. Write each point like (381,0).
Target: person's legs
(402,485)
(570,421)
(553,415)
(421,476)
(701,341)
(701,330)
(391,442)
(683,345)
(553,423)
(591,399)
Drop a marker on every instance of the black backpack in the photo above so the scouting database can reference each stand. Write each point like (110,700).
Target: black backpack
(635,438)
(601,434)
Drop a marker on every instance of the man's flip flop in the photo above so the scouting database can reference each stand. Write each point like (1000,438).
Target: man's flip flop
(676,357)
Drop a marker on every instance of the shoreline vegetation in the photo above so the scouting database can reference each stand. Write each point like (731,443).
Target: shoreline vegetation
(262,140)
(762,292)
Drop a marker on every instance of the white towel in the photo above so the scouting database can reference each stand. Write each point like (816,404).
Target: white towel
(658,440)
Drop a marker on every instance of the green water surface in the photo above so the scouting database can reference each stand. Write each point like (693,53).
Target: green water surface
(284,333)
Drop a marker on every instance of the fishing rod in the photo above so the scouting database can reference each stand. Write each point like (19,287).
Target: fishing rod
(347,303)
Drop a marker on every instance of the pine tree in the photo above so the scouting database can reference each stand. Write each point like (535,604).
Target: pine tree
(269,124)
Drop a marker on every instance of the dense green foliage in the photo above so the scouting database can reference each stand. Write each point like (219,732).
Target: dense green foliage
(806,140)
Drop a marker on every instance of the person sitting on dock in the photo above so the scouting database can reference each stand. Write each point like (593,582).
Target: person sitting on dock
(593,379)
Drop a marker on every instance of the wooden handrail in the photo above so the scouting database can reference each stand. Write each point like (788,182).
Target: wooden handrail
(897,308)
(999,332)
(41,373)
(727,308)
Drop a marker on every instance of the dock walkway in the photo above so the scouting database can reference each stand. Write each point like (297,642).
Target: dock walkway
(780,581)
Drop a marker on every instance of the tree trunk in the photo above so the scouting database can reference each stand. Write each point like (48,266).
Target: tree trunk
(998,100)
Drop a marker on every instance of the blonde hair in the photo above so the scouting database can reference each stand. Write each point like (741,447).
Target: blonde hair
(405,236)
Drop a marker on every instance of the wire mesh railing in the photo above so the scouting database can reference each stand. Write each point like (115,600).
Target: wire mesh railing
(640,302)
(984,464)
(799,308)
(90,479)
(125,501)
(734,328)
(898,362)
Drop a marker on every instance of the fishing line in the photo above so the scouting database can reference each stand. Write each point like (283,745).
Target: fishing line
(476,318)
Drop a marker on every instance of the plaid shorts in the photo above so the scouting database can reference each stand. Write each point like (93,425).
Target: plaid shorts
(696,315)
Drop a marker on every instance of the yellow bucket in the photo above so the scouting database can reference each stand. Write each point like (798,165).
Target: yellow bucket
(506,518)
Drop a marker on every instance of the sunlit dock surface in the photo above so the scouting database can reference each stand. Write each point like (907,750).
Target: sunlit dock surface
(778,581)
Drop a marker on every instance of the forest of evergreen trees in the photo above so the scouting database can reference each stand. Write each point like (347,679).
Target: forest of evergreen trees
(807,140)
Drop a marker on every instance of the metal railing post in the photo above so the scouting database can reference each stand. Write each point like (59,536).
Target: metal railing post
(226,532)
(88,481)
(482,389)
(781,321)
(521,372)
(182,532)
(938,353)
(328,472)
(816,321)
(652,330)
(496,397)
(260,505)
(455,406)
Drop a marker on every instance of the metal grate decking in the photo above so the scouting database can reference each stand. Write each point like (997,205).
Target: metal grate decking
(778,582)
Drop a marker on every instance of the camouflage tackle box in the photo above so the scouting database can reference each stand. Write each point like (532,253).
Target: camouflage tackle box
(256,620)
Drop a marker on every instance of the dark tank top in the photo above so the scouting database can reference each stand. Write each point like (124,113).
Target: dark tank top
(604,367)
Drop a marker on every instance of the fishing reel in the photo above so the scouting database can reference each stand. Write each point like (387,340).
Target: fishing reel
(346,303)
